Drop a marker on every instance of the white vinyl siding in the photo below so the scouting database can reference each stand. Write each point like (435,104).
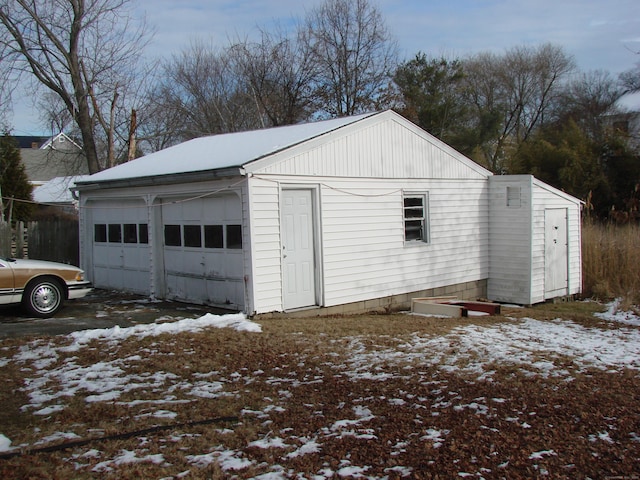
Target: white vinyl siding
(373,148)
(544,198)
(362,239)
(365,253)
(479,227)
(510,240)
(266,246)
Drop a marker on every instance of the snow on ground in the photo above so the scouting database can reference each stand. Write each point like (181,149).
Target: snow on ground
(615,314)
(531,345)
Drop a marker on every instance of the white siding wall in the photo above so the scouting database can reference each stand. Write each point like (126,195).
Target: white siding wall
(375,149)
(544,198)
(510,241)
(364,255)
(266,281)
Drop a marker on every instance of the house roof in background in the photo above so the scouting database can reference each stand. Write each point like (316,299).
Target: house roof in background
(56,190)
(30,141)
(45,158)
(43,165)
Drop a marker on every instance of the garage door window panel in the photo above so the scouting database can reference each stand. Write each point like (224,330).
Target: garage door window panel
(143,233)
(172,236)
(115,233)
(234,236)
(130,233)
(213,236)
(100,233)
(192,236)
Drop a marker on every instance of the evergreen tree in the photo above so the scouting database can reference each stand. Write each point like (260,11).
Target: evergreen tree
(14,183)
(431,97)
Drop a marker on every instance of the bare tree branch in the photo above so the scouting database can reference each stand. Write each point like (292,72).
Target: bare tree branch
(82,51)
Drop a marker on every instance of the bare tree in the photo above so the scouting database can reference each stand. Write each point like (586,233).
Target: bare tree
(587,99)
(514,93)
(354,53)
(280,72)
(82,50)
(630,80)
(201,92)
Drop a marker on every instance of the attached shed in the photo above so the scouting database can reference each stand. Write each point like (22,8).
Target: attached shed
(535,241)
(347,214)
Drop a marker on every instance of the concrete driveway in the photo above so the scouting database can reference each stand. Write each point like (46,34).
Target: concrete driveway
(99,309)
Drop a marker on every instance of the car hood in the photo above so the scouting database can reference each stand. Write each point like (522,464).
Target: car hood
(29,263)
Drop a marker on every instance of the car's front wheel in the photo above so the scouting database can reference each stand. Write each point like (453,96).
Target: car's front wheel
(43,297)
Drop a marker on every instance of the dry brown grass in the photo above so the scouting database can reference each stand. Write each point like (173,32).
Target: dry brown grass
(290,382)
(611,261)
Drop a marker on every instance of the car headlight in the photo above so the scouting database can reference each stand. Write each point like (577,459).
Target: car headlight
(80,277)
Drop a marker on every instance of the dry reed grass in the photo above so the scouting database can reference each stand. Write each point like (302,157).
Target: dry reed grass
(611,261)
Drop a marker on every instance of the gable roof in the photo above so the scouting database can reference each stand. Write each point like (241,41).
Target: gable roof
(382,144)
(218,152)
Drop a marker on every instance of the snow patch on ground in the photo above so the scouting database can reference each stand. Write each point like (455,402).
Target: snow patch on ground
(5,443)
(615,314)
(237,321)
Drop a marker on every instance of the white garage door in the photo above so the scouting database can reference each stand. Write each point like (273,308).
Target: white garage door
(203,257)
(120,246)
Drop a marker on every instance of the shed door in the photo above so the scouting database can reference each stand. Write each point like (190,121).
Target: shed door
(298,256)
(556,252)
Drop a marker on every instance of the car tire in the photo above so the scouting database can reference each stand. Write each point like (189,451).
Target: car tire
(43,297)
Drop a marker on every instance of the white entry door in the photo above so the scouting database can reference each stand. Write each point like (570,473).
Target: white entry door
(556,252)
(298,255)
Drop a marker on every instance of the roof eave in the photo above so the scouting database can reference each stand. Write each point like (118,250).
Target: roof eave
(170,179)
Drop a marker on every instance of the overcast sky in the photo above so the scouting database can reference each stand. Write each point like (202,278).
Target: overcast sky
(600,34)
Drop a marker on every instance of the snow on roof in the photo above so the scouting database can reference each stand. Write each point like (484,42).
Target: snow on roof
(220,151)
(56,190)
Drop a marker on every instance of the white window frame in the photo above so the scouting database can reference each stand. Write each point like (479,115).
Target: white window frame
(411,215)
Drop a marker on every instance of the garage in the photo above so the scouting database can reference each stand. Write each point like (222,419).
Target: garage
(347,214)
(202,250)
(120,245)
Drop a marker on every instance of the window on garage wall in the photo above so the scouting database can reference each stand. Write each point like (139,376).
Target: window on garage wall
(121,233)
(416,217)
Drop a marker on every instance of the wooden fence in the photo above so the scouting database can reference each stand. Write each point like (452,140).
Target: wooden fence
(6,234)
(56,239)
